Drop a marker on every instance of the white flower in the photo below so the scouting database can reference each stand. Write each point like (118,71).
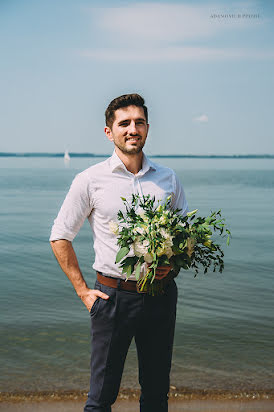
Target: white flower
(146,243)
(141,213)
(148,257)
(168,242)
(163,220)
(113,227)
(160,251)
(169,252)
(139,249)
(140,230)
(163,232)
(165,250)
(168,238)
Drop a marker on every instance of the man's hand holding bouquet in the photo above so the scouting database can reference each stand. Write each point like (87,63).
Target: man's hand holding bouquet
(159,236)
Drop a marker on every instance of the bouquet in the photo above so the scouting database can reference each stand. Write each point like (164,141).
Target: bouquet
(159,236)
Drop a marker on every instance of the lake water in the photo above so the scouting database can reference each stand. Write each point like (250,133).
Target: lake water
(224,334)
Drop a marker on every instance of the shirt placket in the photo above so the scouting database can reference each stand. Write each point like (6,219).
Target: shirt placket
(136,186)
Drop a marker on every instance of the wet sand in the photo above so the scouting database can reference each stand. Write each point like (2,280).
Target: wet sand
(205,405)
(180,401)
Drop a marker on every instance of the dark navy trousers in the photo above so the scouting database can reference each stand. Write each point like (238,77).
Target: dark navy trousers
(114,322)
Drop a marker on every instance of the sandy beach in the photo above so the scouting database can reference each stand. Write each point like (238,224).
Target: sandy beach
(180,401)
(133,406)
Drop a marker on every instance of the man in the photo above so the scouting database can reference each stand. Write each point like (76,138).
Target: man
(118,312)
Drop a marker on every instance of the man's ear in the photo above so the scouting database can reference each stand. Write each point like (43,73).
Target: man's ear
(108,133)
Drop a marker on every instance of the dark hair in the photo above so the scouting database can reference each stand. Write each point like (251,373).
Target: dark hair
(125,100)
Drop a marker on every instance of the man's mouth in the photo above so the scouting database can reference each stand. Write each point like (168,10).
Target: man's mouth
(133,139)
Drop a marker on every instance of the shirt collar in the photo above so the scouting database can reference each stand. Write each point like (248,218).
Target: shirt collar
(116,163)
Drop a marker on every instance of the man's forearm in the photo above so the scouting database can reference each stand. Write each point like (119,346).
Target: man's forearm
(67,259)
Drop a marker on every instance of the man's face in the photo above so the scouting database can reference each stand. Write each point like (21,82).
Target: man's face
(129,129)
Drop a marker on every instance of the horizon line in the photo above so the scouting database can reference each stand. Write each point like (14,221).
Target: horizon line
(88,154)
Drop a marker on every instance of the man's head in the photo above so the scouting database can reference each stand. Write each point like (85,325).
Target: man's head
(125,100)
(127,124)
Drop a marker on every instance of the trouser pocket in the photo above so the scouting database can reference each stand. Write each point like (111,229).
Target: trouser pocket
(95,306)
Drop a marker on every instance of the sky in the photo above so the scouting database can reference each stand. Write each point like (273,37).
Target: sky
(205,69)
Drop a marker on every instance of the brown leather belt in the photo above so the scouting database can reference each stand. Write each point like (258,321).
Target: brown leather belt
(129,285)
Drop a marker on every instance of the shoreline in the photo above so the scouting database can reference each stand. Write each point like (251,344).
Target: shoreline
(182,394)
(128,401)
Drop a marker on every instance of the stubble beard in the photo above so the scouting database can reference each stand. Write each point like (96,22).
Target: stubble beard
(132,150)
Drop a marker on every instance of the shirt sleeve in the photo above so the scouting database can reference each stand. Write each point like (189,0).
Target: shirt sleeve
(74,210)
(179,201)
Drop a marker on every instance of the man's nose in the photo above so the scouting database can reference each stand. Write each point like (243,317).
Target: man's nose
(132,128)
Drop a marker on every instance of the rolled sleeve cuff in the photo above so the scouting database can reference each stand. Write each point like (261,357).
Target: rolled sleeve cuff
(58,235)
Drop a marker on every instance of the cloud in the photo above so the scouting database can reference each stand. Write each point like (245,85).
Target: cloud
(168,23)
(152,32)
(201,119)
(156,23)
(167,54)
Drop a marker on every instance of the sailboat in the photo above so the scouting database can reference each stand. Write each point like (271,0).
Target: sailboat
(66,156)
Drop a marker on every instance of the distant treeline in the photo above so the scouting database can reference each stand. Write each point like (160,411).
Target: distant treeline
(179,156)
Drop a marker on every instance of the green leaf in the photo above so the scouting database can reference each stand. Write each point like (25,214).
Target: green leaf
(121,254)
(130,260)
(128,270)
(189,214)
(137,270)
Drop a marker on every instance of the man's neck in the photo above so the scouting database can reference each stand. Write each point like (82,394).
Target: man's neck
(133,162)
